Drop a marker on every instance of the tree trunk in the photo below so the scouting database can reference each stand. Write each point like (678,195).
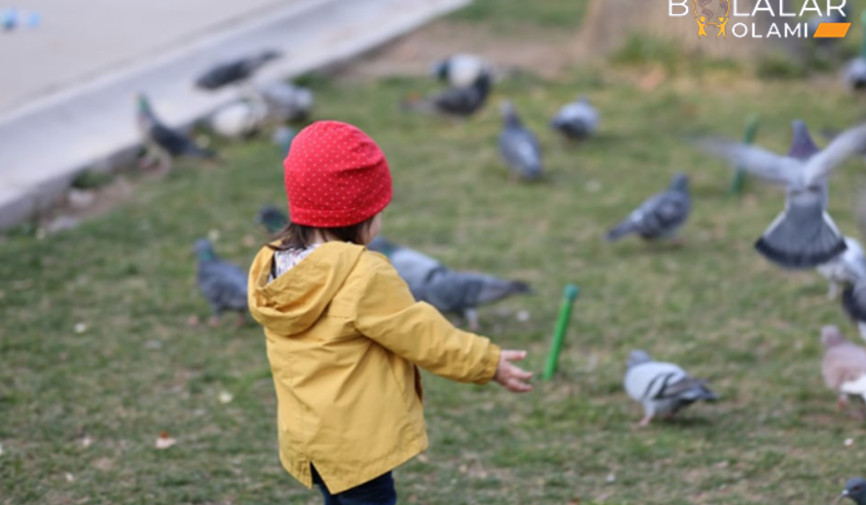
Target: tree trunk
(608,23)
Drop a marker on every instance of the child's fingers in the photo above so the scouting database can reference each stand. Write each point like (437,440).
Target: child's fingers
(518,386)
(509,355)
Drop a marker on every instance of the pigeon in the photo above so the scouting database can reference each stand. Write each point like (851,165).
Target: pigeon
(448,290)
(161,142)
(223,283)
(662,388)
(660,216)
(234,71)
(272,219)
(456,102)
(287,102)
(240,119)
(519,147)
(803,235)
(283,137)
(576,120)
(847,267)
(855,74)
(855,489)
(843,365)
(854,304)
(461,70)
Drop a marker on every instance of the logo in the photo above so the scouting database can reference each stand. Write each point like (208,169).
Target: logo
(705,16)
(765,19)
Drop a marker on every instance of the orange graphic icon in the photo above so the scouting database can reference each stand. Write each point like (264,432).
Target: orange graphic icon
(706,16)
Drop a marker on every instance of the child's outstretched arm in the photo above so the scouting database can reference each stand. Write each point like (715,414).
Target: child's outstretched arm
(512,377)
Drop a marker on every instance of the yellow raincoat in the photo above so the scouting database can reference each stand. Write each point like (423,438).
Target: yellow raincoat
(343,337)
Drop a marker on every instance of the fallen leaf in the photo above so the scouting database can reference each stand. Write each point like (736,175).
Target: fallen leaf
(213,235)
(849,442)
(226,397)
(574,501)
(523,315)
(163,441)
(69,477)
(80,327)
(86,441)
(611,478)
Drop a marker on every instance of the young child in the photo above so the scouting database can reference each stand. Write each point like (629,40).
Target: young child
(344,334)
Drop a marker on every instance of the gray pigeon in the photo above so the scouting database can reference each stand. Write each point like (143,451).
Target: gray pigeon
(854,303)
(577,120)
(855,74)
(518,146)
(461,70)
(660,216)
(803,235)
(855,489)
(234,71)
(662,388)
(161,142)
(449,291)
(221,282)
(843,364)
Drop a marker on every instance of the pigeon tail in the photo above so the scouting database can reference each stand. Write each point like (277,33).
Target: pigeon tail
(801,237)
(620,230)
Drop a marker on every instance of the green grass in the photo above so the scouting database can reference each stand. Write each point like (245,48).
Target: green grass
(504,15)
(715,305)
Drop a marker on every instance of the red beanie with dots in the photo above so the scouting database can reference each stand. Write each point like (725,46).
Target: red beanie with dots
(335,176)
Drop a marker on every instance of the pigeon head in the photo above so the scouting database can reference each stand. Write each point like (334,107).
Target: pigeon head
(680,182)
(802,145)
(855,489)
(637,357)
(509,114)
(204,250)
(831,336)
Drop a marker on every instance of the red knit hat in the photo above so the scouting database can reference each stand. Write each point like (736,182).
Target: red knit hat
(335,176)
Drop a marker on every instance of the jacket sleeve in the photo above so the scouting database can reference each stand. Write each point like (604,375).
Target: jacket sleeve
(387,313)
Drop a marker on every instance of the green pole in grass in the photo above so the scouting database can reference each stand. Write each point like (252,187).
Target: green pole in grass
(568,298)
(748,138)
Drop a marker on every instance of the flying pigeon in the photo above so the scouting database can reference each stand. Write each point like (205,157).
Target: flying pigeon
(161,142)
(447,290)
(576,120)
(272,219)
(660,216)
(234,71)
(239,119)
(287,102)
(221,282)
(662,388)
(518,146)
(845,268)
(461,70)
(803,235)
(843,365)
(456,102)
(855,489)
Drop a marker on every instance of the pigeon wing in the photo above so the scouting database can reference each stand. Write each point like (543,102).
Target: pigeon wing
(847,144)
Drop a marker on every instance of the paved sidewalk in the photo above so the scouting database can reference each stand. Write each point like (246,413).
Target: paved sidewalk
(55,123)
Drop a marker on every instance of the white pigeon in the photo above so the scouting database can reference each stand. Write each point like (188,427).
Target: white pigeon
(848,267)
(286,101)
(576,120)
(803,235)
(662,388)
(238,119)
(843,365)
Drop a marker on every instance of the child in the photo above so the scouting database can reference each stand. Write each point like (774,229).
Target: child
(344,334)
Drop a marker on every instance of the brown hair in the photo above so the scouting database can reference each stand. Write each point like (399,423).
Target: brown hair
(299,236)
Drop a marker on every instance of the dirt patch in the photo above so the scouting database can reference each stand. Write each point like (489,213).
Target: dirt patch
(543,52)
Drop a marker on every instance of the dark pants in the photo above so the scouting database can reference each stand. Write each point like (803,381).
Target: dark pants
(379,491)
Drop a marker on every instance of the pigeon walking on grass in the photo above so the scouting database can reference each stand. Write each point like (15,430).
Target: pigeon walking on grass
(577,120)
(843,365)
(240,119)
(461,70)
(235,71)
(660,216)
(519,147)
(448,290)
(662,388)
(161,142)
(223,283)
(803,235)
(456,102)
(287,102)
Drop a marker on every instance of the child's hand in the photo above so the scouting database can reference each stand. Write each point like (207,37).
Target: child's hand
(510,376)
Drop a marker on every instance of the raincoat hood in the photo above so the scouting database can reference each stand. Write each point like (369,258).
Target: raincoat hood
(294,301)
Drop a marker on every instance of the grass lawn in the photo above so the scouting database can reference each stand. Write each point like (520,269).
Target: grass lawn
(97,357)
